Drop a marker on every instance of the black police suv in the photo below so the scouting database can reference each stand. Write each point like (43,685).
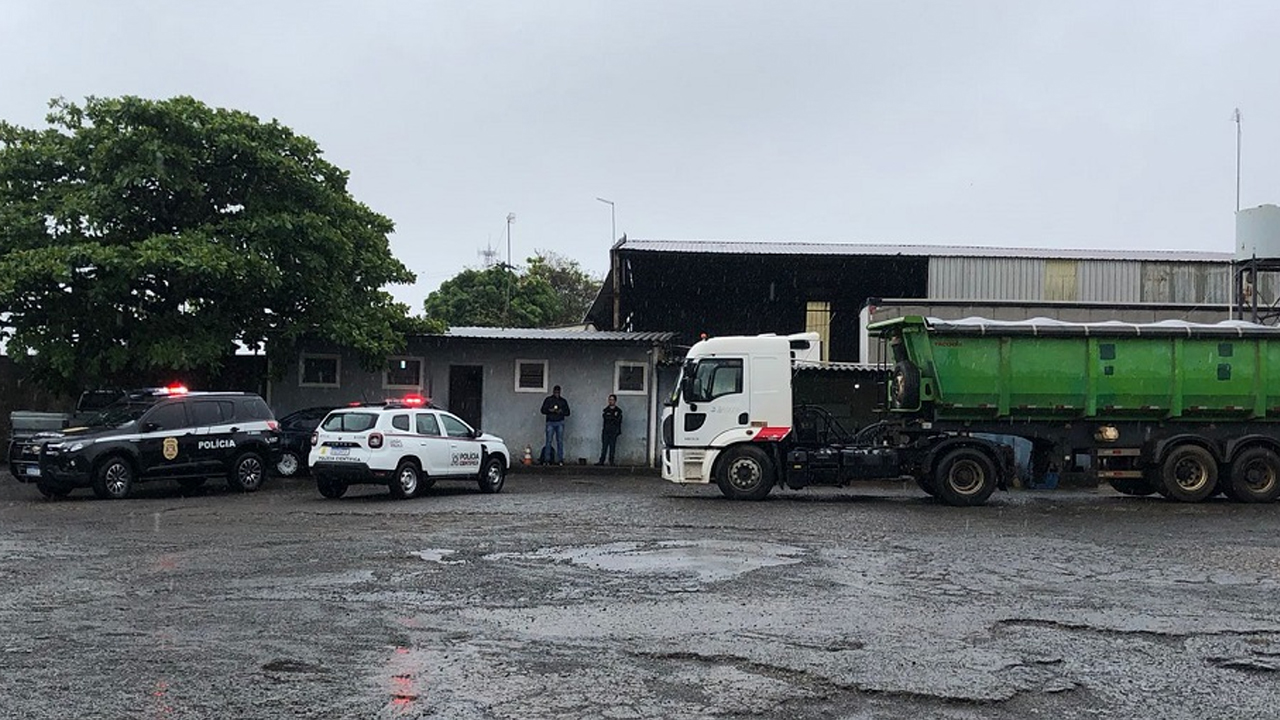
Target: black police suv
(159,434)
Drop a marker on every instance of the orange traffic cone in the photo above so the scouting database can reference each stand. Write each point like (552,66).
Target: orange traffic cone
(528,455)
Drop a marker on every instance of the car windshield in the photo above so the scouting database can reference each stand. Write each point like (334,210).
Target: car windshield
(349,422)
(119,413)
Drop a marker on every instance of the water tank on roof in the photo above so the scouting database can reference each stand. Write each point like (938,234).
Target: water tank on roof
(1258,233)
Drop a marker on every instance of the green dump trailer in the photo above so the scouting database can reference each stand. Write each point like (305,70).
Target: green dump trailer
(1181,409)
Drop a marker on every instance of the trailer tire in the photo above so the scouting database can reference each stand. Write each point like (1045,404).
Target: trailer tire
(745,473)
(965,476)
(1137,487)
(1255,476)
(1189,474)
(906,386)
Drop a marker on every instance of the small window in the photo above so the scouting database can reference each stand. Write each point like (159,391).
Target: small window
(349,422)
(1107,351)
(400,422)
(531,376)
(427,425)
(253,408)
(167,417)
(629,378)
(453,427)
(205,412)
(715,378)
(817,318)
(403,373)
(319,370)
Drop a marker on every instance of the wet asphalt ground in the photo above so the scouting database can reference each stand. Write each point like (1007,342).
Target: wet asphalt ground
(572,596)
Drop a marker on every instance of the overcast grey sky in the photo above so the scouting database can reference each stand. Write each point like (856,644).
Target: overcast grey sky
(1024,123)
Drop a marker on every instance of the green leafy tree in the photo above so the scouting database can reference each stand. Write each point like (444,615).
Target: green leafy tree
(575,288)
(551,291)
(138,235)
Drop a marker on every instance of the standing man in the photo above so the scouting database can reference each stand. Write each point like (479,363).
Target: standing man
(556,409)
(610,430)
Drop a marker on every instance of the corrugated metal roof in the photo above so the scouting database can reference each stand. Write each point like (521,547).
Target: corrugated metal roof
(735,247)
(490,333)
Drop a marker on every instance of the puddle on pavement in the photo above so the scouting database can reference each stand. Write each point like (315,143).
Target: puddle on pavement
(437,555)
(708,560)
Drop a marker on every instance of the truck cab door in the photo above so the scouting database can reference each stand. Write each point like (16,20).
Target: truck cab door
(713,400)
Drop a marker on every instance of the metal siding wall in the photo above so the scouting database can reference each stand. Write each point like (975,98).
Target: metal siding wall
(1201,283)
(1117,281)
(969,278)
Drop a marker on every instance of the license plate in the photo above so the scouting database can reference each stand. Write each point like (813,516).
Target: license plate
(339,451)
(33,471)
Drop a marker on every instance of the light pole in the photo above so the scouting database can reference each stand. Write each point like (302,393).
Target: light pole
(613,220)
(506,314)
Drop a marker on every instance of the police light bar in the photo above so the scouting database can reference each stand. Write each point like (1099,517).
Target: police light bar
(174,389)
(413,400)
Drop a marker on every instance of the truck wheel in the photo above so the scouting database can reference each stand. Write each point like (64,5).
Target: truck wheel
(1189,474)
(114,479)
(746,473)
(1137,487)
(1255,476)
(492,475)
(965,476)
(247,473)
(405,483)
(906,386)
(331,489)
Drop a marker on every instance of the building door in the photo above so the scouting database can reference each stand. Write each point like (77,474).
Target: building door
(466,390)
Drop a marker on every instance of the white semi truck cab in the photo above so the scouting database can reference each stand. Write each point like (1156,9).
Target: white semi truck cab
(733,397)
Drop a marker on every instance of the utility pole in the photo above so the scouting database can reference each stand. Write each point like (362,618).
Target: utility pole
(506,314)
(1235,117)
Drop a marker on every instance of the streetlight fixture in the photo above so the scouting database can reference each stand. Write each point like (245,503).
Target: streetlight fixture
(506,314)
(613,220)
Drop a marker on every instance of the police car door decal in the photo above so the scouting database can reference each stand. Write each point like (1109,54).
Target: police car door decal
(464,451)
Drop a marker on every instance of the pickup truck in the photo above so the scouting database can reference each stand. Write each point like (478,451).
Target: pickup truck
(25,424)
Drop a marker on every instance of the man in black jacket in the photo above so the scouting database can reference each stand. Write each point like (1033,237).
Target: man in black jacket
(610,429)
(556,409)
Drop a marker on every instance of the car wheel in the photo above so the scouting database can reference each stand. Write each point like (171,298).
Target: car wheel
(746,473)
(965,476)
(405,483)
(331,489)
(247,473)
(493,475)
(114,479)
(51,490)
(290,464)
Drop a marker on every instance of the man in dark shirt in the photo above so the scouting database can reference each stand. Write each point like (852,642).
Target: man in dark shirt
(610,430)
(556,409)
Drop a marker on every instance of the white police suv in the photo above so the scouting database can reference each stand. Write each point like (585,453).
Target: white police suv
(405,444)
